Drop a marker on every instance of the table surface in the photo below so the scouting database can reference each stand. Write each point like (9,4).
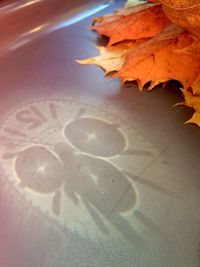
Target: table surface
(92,173)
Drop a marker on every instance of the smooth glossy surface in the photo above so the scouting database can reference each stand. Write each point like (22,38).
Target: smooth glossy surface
(92,174)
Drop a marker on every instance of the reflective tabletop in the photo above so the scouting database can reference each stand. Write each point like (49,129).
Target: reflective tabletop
(92,173)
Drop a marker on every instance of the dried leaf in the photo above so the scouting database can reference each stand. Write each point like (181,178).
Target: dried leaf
(110,58)
(119,13)
(140,22)
(193,102)
(193,49)
(155,83)
(169,52)
(196,86)
(160,59)
(185,13)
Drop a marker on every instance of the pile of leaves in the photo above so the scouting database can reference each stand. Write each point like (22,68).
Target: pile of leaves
(151,43)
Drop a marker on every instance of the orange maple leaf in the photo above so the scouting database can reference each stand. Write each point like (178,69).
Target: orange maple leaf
(165,51)
(161,58)
(192,101)
(134,23)
(112,58)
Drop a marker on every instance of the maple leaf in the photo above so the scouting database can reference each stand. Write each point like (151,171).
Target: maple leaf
(111,58)
(161,59)
(192,101)
(132,23)
(157,50)
(185,13)
(196,86)
(152,61)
